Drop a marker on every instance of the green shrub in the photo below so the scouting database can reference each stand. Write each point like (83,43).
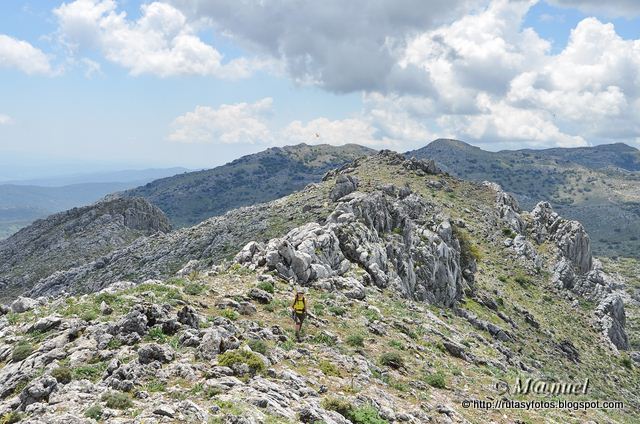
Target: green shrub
(397,344)
(341,406)
(366,415)
(11,418)
(156,334)
(436,379)
(329,369)
(21,351)
(239,356)
(266,286)
(117,400)
(469,252)
(62,375)
(626,362)
(155,385)
(355,340)
(392,360)
(322,338)
(90,372)
(318,309)
(229,314)
(337,310)
(94,412)
(258,346)
(194,289)
(508,232)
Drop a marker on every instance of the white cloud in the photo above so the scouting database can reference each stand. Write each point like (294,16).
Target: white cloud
(237,123)
(336,132)
(160,42)
(23,56)
(5,119)
(497,83)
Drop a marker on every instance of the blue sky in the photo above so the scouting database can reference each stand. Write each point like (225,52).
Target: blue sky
(103,84)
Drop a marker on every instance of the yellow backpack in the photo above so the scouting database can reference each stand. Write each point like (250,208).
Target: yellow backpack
(299,303)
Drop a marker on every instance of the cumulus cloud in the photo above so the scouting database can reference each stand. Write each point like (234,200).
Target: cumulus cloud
(228,124)
(161,41)
(497,83)
(23,56)
(340,46)
(623,8)
(5,119)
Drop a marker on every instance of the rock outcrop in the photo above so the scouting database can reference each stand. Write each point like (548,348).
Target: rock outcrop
(74,237)
(400,242)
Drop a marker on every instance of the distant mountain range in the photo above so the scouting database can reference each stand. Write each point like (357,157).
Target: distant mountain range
(192,197)
(599,186)
(23,201)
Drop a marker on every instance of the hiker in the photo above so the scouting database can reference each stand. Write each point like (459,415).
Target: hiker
(299,311)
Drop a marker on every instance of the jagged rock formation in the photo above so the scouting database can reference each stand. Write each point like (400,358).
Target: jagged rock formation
(400,242)
(74,237)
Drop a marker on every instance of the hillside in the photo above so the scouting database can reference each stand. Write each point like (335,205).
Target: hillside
(22,202)
(424,292)
(71,238)
(190,198)
(598,186)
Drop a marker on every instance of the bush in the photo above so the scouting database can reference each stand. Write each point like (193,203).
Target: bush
(117,400)
(329,369)
(626,362)
(469,252)
(341,406)
(392,360)
(436,380)
(355,340)
(266,286)
(21,351)
(62,375)
(194,289)
(337,310)
(156,334)
(90,372)
(366,415)
(94,412)
(229,314)
(239,356)
(258,346)
(11,418)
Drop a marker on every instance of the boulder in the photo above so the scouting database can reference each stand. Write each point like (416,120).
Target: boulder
(155,352)
(23,304)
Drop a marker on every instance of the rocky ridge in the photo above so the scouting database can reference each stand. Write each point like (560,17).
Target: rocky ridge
(423,291)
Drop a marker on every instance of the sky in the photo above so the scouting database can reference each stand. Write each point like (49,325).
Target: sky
(90,85)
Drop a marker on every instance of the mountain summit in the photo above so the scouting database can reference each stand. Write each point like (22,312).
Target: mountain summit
(192,197)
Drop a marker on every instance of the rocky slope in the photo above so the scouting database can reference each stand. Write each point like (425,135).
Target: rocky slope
(598,186)
(71,238)
(192,197)
(424,291)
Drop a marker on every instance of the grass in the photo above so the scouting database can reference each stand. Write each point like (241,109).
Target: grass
(194,289)
(365,414)
(355,340)
(11,417)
